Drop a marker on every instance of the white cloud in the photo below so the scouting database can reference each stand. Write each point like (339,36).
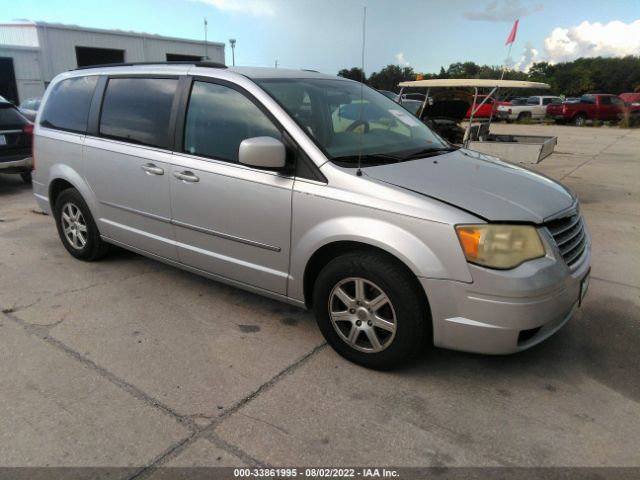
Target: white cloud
(528,58)
(401,59)
(505,11)
(259,8)
(614,39)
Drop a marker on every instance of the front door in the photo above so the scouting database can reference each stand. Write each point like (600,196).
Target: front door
(128,163)
(230,220)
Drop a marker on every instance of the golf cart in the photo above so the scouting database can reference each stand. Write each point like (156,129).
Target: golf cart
(444,111)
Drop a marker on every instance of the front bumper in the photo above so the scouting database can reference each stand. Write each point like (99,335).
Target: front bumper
(505,311)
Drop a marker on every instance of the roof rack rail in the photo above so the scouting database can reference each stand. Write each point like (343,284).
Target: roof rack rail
(198,63)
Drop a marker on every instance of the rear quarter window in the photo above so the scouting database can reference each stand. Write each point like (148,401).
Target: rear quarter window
(67,107)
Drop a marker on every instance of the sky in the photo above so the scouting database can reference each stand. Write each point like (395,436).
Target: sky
(326,35)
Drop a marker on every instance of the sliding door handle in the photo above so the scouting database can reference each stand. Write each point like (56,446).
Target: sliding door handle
(151,169)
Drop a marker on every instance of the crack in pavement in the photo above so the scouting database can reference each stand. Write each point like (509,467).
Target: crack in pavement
(42,332)
(600,279)
(19,308)
(208,432)
(197,431)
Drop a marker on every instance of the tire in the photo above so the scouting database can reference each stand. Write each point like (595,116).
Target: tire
(579,120)
(85,244)
(523,116)
(26,177)
(408,325)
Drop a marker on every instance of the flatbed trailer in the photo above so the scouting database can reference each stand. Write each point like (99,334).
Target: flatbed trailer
(477,136)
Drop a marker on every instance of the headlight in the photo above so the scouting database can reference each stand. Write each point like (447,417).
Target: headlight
(499,246)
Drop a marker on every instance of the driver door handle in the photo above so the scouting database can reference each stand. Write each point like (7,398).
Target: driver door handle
(186,176)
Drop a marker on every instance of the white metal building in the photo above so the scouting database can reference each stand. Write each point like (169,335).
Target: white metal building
(32,53)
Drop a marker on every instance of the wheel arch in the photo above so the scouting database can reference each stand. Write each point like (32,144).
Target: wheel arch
(331,250)
(62,177)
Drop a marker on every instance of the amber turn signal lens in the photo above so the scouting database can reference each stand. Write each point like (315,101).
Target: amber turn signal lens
(500,246)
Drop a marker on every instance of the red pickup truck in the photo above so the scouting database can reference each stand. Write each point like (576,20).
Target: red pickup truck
(596,106)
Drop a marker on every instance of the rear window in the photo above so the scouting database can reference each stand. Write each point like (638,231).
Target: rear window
(10,117)
(67,107)
(137,110)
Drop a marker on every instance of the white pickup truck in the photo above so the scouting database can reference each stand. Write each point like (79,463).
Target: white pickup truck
(535,108)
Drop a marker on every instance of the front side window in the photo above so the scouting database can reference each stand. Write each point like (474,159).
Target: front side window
(533,101)
(68,105)
(138,110)
(219,118)
(348,122)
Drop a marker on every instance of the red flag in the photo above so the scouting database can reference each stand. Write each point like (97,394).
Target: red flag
(512,36)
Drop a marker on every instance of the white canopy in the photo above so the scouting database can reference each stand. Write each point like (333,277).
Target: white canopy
(472,82)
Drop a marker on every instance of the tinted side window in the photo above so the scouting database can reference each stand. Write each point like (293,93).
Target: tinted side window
(68,105)
(533,101)
(605,100)
(137,110)
(587,99)
(219,118)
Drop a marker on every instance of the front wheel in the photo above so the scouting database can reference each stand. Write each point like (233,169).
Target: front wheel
(371,310)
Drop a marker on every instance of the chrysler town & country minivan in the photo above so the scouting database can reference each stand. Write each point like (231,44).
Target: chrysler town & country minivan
(312,190)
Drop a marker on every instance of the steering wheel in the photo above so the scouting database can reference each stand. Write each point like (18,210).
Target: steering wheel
(356,124)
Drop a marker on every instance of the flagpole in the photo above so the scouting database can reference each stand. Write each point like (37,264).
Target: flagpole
(504,68)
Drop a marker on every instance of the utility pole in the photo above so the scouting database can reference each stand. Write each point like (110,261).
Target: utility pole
(232,41)
(206,44)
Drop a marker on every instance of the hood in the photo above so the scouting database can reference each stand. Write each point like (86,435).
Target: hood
(480,184)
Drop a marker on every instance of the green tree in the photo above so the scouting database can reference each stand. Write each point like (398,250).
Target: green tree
(390,76)
(353,73)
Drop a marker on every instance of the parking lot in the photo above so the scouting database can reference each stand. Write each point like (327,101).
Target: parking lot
(129,362)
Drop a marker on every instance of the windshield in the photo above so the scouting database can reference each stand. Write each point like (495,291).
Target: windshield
(346,127)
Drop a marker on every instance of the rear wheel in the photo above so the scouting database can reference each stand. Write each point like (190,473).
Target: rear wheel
(579,120)
(76,227)
(524,116)
(371,310)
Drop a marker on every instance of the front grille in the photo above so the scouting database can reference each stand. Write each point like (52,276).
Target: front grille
(570,237)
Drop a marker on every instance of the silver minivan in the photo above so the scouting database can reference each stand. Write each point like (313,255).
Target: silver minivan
(316,191)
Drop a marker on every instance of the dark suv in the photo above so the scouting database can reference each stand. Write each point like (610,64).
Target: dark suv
(16,134)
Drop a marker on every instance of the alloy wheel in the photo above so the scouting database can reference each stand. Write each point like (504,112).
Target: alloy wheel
(362,314)
(74,226)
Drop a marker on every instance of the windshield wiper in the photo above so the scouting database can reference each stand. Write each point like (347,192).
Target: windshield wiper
(428,152)
(369,159)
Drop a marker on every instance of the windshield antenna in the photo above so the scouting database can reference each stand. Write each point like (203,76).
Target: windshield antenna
(364,23)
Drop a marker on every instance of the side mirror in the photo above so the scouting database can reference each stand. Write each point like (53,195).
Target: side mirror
(262,152)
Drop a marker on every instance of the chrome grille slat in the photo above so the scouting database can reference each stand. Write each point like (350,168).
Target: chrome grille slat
(576,244)
(570,237)
(576,255)
(562,226)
